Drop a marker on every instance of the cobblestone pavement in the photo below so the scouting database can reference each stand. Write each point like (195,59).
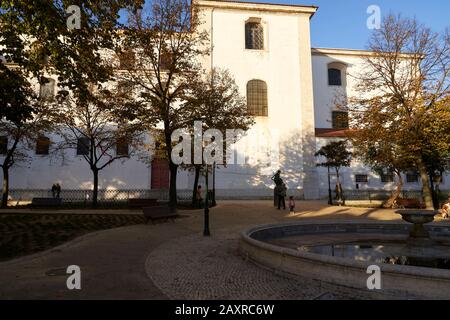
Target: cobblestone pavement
(197,267)
(173,260)
(194,267)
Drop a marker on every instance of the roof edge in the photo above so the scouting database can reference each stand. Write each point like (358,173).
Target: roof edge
(257,6)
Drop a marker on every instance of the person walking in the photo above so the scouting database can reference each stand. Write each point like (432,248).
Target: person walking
(281,196)
(58,190)
(54,190)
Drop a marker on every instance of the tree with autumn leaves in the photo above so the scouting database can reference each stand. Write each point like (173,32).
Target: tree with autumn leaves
(401,116)
(216,102)
(35,43)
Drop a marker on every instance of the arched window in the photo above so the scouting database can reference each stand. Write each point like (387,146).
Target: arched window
(336,74)
(257,98)
(254,35)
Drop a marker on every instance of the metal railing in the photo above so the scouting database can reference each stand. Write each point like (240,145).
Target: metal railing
(123,195)
(78,195)
(379,194)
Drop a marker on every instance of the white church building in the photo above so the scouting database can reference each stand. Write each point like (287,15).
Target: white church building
(290,88)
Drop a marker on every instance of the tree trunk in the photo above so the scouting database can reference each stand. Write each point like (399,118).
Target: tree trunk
(341,198)
(390,202)
(433,191)
(426,190)
(194,192)
(5,190)
(173,187)
(95,191)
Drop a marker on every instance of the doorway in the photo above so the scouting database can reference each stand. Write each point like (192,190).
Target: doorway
(160,174)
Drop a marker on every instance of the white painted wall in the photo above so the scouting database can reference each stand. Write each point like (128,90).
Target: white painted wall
(326,95)
(72,172)
(296,106)
(279,66)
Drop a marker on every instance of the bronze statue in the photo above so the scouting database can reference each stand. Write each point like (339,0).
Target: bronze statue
(277,179)
(278,183)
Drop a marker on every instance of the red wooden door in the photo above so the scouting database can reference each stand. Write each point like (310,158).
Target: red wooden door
(160,174)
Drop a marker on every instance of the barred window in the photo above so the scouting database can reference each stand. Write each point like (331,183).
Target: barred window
(254,36)
(339,119)
(47,88)
(83,146)
(334,77)
(42,145)
(3,145)
(386,178)
(412,177)
(361,178)
(257,98)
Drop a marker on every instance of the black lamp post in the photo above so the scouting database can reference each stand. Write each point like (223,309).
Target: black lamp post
(213,202)
(206,219)
(330,200)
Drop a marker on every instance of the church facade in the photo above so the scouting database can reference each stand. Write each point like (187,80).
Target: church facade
(290,89)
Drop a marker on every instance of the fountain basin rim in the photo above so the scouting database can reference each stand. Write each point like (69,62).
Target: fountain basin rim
(246,236)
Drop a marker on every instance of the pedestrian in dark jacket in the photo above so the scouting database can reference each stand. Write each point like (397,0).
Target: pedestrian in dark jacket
(281,196)
(58,190)
(54,187)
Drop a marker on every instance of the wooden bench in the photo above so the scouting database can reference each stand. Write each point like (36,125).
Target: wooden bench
(141,203)
(158,213)
(46,202)
(411,203)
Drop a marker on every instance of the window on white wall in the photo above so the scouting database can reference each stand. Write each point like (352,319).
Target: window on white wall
(3,145)
(334,77)
(337,72)
(42,145)
(47,88)
(257,98)
(126,60)
(361,178)
(339,119)
(165,61)
(412,177)
(122,147)
(254,35)
(83,146)
(386,178)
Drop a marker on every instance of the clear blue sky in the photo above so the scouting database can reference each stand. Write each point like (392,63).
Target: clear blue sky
(342,23)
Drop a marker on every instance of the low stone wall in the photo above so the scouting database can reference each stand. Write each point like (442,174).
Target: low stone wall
(398,281)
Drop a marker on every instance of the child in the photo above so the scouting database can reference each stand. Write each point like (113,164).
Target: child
(291,204)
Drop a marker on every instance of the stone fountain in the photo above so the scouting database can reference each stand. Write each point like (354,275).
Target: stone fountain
(418,234)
